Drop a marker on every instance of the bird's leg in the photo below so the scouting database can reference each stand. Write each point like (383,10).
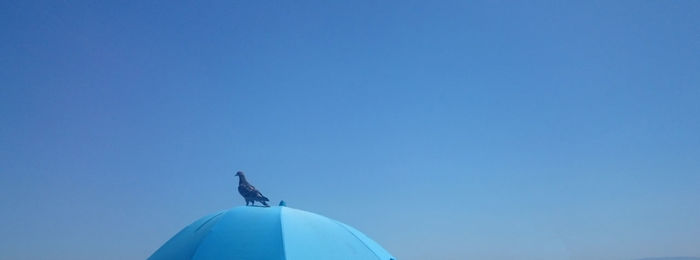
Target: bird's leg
(252,203)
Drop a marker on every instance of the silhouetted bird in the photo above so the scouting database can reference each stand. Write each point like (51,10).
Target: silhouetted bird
(249,193)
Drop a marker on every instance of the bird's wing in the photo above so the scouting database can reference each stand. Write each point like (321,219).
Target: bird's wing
(259,196)
(246,190)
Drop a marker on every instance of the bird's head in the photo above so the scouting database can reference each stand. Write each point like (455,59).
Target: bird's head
(239,173)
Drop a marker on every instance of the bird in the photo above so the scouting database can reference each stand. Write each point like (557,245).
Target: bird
(249,193)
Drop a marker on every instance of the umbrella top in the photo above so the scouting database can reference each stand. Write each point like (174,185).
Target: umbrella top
(278,233)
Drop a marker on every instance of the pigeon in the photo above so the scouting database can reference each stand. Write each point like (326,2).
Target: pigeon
(249,193)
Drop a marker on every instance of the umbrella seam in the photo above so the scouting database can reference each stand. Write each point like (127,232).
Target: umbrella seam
(284,248)
(201,241)
(358,238)
(208,220)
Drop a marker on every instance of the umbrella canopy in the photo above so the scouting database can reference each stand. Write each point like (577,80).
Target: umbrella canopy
(275,233)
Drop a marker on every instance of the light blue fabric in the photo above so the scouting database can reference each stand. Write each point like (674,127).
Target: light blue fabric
(244,233)
(311,236)
(376,248)
(183,245)
(275,233)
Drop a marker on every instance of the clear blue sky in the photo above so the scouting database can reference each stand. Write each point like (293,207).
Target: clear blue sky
(448,130)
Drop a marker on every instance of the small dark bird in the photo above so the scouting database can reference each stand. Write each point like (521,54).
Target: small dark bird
(249,193)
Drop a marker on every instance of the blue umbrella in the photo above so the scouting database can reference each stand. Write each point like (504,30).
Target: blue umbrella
(275,233)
